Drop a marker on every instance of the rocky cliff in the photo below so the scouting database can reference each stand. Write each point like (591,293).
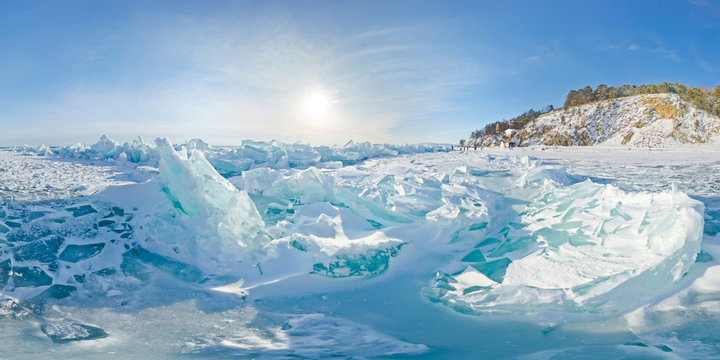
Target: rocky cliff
(657,120)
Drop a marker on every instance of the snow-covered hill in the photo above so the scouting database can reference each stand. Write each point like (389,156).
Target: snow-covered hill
(657,120)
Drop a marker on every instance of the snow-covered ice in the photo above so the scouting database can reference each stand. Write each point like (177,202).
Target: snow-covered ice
(274,250)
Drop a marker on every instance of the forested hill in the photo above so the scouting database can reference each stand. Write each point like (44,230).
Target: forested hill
(703,98)
(635,115)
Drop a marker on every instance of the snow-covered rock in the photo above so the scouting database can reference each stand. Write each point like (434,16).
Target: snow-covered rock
(656,120)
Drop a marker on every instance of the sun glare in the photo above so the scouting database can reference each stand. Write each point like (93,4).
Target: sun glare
(316,104)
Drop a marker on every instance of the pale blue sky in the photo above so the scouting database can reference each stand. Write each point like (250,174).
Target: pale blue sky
(394,71)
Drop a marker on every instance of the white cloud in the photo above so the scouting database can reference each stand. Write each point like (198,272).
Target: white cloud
(608,47)
(700,60)
(668,54)
(544,52)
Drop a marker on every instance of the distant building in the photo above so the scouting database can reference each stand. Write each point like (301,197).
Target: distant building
(507,141)
(500,127)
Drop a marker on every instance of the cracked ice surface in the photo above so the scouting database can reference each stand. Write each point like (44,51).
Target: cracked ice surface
(27,177)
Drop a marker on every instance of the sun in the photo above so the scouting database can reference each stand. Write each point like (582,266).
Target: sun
(317,104)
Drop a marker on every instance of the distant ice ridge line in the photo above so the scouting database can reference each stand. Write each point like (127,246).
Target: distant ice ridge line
(249,154)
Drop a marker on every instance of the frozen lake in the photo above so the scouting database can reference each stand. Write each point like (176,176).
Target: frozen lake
(266,251)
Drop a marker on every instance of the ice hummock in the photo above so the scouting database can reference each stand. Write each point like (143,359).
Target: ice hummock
(217,223)
(224,218)
(578,251)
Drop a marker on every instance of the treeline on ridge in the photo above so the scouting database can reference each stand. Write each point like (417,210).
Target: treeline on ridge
(498,127)
(707,99)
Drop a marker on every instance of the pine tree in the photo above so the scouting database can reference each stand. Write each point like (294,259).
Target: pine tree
(716,92)
(586,94)
(571,99)
(602,92)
